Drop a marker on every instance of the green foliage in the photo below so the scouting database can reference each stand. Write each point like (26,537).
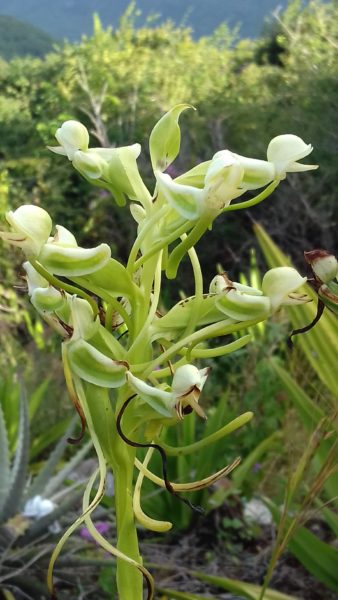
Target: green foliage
(18,532)
(18,38)
(319,344)
(117,84)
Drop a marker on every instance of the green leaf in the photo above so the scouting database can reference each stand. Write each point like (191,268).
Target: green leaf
(20,464)
(45,439)
(4,462)
(165,138)
(42,479)
(310,414)
(174,595)
(247,590)
(318,557)
(36,397)
(55,482)
(240,474)
(318,345)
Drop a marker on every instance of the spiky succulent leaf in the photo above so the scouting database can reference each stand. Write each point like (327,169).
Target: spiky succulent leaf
(20,464)
(4,463)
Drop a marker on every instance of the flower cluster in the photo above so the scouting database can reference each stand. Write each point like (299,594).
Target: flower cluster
(129,369)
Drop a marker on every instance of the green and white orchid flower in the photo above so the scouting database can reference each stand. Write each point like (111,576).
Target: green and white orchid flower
(186,387)
(284,152)
(30,229)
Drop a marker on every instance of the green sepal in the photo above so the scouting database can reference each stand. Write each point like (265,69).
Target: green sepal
(47,299)
(112,277)
(70,261)
(91,365)
(124,177)
(165,138)
(195,176)
(243,307)
(180,315)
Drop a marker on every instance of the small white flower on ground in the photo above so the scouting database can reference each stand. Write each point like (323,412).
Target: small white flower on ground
(38,507)
(255,511)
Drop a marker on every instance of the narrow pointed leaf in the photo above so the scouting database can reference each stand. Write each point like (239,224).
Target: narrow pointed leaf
(40,482)
(4,462)
(20,464)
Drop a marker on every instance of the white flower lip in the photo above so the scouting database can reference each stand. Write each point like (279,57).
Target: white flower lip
(285,150)
(187,378)
(31,226)
(279,283)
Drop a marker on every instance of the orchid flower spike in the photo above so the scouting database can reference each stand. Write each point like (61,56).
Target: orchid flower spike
(284,151)
(30,229)
(187,385)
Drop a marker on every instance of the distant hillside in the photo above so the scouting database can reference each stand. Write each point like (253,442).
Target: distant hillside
(71,18)
(18,38)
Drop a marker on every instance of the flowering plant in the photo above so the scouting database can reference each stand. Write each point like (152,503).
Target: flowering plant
(130,370)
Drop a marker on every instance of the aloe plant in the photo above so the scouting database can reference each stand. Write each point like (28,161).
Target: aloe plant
(28,507)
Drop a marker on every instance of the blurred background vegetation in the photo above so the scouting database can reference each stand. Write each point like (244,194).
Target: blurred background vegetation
(119,83)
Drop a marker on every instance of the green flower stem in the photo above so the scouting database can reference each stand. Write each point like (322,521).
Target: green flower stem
(256,200)
(192,238)
(121,458)
(225,327)
(129,579)
(198,277)
(161,244)
(152,221)
(59,284)
(142,335)
(209,439)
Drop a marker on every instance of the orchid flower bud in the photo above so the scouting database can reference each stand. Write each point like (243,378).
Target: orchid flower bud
(72,136)
(279,285)
(82,319)
(43,296)
(31,227)
(324,264)
(62,256)
(284,151)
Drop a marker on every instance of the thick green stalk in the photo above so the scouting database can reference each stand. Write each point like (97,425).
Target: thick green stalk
(129,579)
(120,458)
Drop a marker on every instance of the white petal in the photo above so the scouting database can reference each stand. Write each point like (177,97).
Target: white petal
(185,199)
(187,377)
(73,136)
(278,283)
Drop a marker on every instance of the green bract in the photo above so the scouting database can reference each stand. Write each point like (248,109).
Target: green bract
(165,138)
